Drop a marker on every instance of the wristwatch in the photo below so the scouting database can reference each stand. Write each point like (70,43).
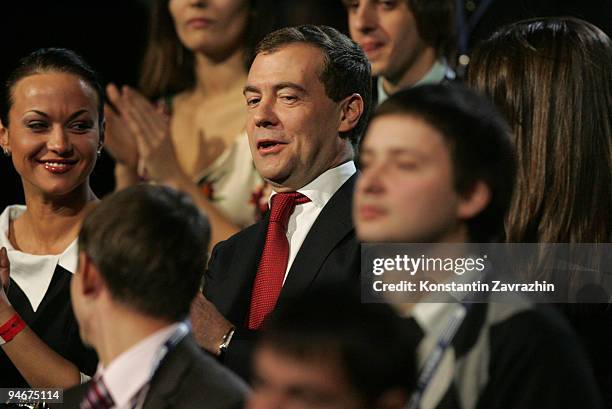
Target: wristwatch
(225,341)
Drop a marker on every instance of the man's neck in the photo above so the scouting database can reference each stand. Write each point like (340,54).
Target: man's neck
(421,66)
(121,329)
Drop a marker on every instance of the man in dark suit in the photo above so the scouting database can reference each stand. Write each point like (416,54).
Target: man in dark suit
(307,94)
(141,257)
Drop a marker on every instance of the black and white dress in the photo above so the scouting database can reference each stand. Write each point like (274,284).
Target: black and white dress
(40,292)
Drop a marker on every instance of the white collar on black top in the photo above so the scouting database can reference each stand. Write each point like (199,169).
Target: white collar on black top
(33,273)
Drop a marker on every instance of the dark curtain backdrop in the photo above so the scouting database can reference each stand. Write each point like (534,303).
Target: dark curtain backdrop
(109,34)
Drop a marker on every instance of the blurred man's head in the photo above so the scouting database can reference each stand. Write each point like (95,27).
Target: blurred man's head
(308,94)
(437,166)
(143,250)
(402,38)
(330,351)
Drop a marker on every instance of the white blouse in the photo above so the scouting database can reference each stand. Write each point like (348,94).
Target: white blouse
(32,272)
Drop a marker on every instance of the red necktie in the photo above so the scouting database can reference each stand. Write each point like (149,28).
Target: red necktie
(274,259)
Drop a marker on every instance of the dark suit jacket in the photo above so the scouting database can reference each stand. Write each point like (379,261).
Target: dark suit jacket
(330,255)
(186,378)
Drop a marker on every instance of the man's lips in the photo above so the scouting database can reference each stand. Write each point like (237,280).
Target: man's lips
(371,46)
(269,146)
(368,212)
(58,166)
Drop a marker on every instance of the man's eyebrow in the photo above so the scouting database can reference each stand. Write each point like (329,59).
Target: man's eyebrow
(288,84)
(250,88)
(277,87)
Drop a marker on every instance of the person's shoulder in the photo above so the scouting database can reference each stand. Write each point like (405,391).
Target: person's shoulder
(208,381)
(541,322)
(245,235)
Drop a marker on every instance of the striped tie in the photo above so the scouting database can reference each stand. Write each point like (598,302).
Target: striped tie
(97,396)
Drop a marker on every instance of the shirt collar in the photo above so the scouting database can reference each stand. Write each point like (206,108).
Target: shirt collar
(320,190)
(126,375)
(438,72)
(32,272)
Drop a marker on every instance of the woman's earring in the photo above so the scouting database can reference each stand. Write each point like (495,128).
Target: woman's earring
(99,151)
(6,152)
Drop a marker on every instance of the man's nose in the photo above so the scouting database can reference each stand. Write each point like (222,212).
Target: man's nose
(365,17)
(264,114)
(371,179)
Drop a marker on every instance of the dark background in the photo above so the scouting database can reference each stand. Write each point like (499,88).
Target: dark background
(110,35)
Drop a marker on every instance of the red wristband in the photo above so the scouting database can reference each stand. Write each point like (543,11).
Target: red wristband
(11,328)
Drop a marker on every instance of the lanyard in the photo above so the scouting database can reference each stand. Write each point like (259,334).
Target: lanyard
(435,357)
(444,340)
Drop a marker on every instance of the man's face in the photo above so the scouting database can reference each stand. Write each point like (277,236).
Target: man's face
(292,124)
(387,32)
(283,382)
(405,192)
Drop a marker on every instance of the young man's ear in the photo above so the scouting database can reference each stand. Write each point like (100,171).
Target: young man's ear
(474,200)
(91,280)
(352,108)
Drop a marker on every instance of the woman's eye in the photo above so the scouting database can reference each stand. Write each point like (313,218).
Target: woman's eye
(37,125)
(81,126)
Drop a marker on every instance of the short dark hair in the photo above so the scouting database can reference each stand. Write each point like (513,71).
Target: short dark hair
(346,68)
(479,142)
(47,60)
(370,342)
(149,243)
(435,20)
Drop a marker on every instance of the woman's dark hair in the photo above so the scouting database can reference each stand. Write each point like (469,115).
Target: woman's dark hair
(552,78)
(168,66)
(51,60)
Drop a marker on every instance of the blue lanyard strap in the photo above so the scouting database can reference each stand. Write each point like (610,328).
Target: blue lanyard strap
(435,357)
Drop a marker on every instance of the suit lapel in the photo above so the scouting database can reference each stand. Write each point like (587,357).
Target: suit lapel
(237,284)
(168,377)
(332,225)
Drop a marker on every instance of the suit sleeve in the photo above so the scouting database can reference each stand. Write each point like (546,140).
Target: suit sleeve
(238,355)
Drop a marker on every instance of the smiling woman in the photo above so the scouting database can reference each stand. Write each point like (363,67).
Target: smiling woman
(52,127)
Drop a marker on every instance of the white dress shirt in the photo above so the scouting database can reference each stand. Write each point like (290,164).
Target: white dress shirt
(127,374)
(319,191)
